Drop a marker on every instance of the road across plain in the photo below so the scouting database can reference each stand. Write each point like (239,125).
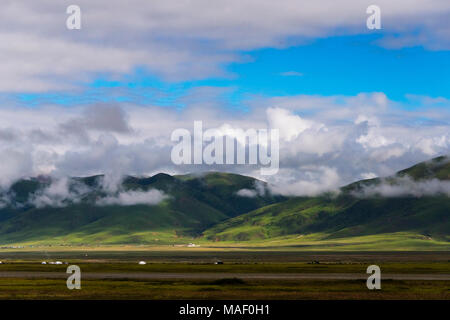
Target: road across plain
(216,276)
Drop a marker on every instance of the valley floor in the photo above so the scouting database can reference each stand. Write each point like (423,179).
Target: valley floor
(166,241)
(191,273)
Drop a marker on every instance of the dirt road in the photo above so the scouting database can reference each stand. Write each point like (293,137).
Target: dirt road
(215,276)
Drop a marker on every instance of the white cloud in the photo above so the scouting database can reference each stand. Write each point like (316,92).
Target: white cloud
(354,135)
(383,154)
(405,186)
(430,145)
(374,139)
(61,192)
(368,175)
(181,40)
(291,74)
(260,189)
(315,180)
(129,198)
(289,125)
(247,193)
(16,162)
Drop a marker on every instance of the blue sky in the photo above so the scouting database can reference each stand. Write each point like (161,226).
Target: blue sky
(345,65)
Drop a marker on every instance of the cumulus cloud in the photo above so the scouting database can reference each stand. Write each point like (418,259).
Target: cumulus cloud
(405,186)
(180,40)
(368,175)
(314,181)
(5,200)
(351,135)
(63,191)
(101,117)
(259,189)
(129,198)
(247,193)
(59,193)
(289,124)
(16,162)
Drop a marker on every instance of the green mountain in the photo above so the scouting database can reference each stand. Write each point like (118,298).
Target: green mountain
(191,204)
(437,168)
(409,211)
(354,212)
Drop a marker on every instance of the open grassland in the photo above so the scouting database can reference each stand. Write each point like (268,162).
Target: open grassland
(230,280)
(232,268)
(397,241)
(208,255)
(221,289)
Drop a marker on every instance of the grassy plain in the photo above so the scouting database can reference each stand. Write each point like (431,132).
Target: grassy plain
(200,289)
(173,260)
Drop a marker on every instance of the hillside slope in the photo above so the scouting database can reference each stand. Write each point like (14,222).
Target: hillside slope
(410,210)
(190,205)
(355,212)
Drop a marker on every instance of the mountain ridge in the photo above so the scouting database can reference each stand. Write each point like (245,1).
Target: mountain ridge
(351,213)
(188,206)
(207,207)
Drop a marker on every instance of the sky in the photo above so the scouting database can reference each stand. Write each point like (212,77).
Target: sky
(350,103)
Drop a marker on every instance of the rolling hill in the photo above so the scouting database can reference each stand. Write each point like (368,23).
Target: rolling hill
(354,212)
(409,210)
(191,203)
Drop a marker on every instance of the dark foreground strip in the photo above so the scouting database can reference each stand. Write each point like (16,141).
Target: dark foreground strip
(225,309)
(218,275)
